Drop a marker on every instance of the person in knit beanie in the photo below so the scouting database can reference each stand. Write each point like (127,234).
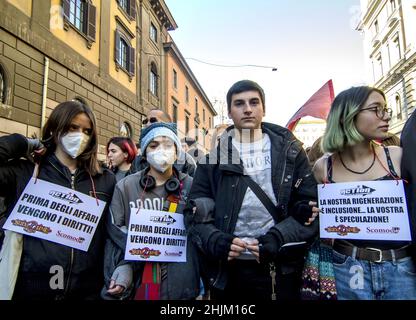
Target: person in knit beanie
(161,188)
(184,163)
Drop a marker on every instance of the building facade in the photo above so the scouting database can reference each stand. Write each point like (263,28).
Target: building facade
(309,129)
(109,54)
(389,31)
(186,101)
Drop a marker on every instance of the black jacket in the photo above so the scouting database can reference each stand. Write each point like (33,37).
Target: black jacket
(219,181)
(408,168)
(83,271)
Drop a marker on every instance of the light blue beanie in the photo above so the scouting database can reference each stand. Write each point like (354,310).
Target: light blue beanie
(160,129)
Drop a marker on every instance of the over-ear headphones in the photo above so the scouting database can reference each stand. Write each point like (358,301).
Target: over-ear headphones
(172,185)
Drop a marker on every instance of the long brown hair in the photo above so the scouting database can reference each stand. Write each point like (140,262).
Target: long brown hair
(59,123)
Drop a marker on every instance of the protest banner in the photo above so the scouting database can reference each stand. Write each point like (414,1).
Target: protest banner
(156,236)
(56,213)
(366,210)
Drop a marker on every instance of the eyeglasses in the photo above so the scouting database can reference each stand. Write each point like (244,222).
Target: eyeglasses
(151,120)
(380,111)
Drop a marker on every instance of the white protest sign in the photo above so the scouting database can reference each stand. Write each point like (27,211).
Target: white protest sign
(55,213)
(156,236)
(366,210)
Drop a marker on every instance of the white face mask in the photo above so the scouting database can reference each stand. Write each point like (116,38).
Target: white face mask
(161,159)
(74,143)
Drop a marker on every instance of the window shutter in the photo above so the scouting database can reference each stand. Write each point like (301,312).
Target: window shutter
(117,47)
(65,7)
(131,60)
(91,14)
(132,12)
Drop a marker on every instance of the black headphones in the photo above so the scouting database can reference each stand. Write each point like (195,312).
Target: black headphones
(172,185)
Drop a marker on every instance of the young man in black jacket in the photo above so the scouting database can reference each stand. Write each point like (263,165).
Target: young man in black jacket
(243,252)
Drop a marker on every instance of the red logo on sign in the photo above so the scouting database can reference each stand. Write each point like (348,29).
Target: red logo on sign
(31,226)
(145,253)
(342,230)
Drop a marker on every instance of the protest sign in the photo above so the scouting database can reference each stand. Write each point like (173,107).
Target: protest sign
(366,210)
(156,236)
(56,213)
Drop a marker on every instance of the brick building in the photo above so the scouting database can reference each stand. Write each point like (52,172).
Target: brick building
(108,53)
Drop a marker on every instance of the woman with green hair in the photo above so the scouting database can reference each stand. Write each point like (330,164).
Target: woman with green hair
(365,269)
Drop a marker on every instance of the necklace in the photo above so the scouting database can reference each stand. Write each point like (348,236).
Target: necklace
(360,172)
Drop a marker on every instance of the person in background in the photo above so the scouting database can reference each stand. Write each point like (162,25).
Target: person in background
(216,135)
(384,269)
(193,150)
(158,187)
(391,140)
(315,151)
(67,156)
(121,151)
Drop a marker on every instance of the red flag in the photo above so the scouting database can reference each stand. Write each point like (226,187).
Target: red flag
(317,106)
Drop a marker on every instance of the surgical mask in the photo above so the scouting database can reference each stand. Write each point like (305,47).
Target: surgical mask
(74,143)
(161,159)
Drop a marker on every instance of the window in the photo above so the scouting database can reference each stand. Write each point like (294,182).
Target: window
(203,115)
(210,124)
(175,79)
(175,113)
(2,85)
(76,14)
(124,53)
(378,68)
(153,80)
(128,6)
(123,4)
(125,130)
(186,94)
(196,107)
(186,124)
(196,133)
(153,32)
(398,103)
(375,28)
(396,48)
(392,5)
(81,15)
(122,58)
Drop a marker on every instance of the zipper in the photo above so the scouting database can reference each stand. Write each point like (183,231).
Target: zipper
(72,249)
(284,171)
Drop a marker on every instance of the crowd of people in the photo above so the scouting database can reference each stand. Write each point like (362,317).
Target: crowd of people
(249,206)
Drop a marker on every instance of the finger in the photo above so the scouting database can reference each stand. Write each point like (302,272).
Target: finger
(112,284)
(312,203)
(307,223)
(253,249)
(237,248)
(239,242)
(118,289)
(234,254)
(253,242)
(256,254)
